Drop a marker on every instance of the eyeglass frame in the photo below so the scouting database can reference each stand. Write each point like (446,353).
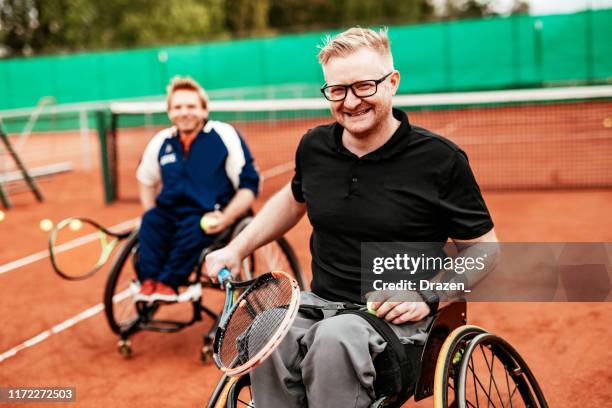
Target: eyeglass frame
(346,88)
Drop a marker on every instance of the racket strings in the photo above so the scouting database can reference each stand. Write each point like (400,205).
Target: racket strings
(254,321)
(78,248)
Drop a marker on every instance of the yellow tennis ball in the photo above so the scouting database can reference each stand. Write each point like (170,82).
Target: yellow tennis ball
(607,122)
(371,310)
(2,216)
(75,225)
(46,225)
(208,222)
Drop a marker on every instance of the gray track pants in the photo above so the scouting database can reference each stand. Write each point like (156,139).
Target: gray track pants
(326,363)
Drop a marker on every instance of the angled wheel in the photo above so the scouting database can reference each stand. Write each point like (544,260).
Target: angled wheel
(122,313)
(240,395)
(219,396)
(274,256)
(493,373)
(448,364)
(232,392)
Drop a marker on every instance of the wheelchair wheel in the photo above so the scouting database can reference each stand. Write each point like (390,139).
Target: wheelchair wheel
(240,395)
(122,314)
(232,392)
(493,372)
(275,256)
(448,365)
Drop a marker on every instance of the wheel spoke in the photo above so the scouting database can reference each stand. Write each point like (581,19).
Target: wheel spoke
(513,391)
(247,404)
(491,372)
(454,394)
(490,402)
(472,405)
(508,387)
(474,376)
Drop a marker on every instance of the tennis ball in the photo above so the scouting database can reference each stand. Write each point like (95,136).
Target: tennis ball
(370,306)
(208,222)
(2,216)
(46,225)
(607,122)
(75,225)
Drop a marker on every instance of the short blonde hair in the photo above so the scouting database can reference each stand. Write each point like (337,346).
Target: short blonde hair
(179,83)
(354,39)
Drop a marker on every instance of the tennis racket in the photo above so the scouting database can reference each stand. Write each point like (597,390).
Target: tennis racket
(257,315)
(95,245)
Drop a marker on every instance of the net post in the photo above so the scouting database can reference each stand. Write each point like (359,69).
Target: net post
(112,154)
(107,181)
(85,141)
(24,171)
(4,198)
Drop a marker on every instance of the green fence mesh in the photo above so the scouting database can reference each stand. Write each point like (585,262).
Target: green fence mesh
(515,52)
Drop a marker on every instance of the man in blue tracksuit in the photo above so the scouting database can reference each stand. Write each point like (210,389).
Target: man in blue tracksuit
(196,167)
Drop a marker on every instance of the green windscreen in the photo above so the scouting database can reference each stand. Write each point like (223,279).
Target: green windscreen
(493,53)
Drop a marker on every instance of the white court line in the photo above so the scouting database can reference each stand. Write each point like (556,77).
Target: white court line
(278,170)
(39,338)
(269,173)
(274,171)
(61,248)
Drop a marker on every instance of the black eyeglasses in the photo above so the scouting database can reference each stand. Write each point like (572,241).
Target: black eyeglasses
(361,89)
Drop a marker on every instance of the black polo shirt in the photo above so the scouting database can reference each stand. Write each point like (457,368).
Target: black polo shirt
(417,187)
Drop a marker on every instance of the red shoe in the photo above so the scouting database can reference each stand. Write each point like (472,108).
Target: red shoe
(164,293)
(146,290)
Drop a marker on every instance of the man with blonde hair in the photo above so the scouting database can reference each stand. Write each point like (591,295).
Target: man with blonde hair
(196,167)
(369,177)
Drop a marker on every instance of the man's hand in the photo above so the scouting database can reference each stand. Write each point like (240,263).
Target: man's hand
(214,222)
(225,257)
(398,310)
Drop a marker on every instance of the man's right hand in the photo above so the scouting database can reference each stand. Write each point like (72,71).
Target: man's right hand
(223,258)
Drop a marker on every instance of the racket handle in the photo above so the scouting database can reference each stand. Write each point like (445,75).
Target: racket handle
(224,275)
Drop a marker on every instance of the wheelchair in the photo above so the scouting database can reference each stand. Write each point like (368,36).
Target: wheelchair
(462,366)
(126,317)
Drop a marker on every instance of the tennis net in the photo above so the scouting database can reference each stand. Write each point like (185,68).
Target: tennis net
(557,138)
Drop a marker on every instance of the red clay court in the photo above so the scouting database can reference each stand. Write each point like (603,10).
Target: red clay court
(566,344)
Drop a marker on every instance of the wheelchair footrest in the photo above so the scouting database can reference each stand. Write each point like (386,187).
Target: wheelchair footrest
(193,293)
(165,326)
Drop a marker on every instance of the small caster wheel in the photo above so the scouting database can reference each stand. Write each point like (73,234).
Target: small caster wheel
(206,354)
(125,348)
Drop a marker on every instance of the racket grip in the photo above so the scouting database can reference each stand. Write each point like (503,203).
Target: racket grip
(224,275)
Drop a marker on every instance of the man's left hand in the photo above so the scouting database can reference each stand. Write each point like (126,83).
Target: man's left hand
(398,311)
